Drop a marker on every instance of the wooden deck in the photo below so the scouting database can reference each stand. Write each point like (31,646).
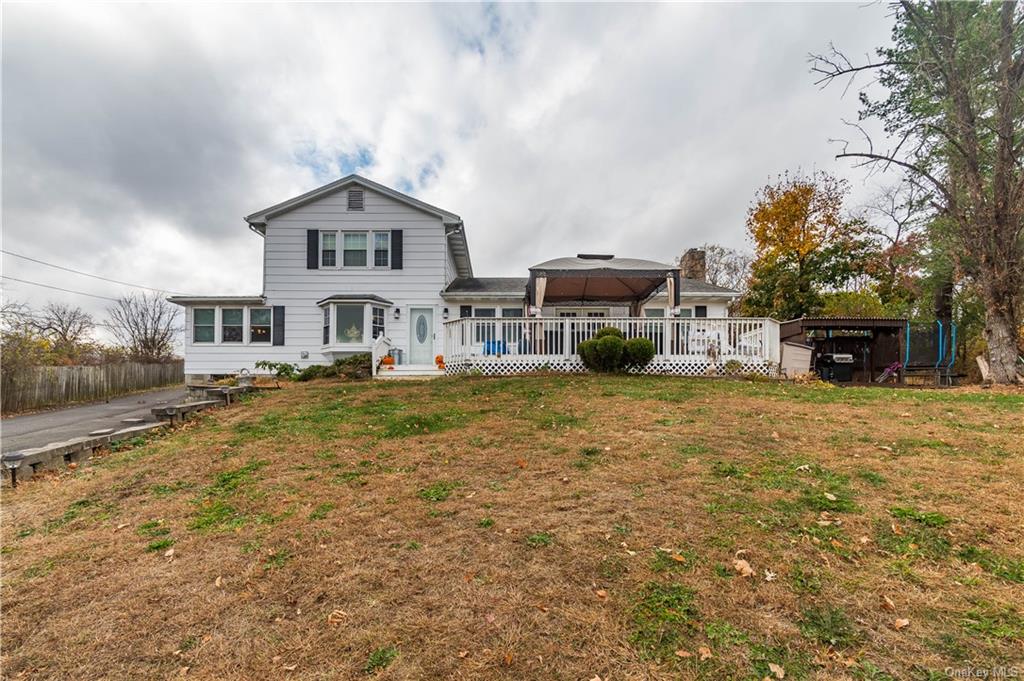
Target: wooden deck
(683,346)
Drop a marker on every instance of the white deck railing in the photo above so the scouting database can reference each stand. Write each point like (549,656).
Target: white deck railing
(701,339)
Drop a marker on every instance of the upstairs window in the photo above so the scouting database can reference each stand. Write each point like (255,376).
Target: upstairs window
(355,199)
(259,325)
(382,249)
(377,326)
(654,312)
(328,249)
(231,325)
(203,325)
(354,249)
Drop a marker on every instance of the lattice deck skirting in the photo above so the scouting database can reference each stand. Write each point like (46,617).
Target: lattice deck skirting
(511,365)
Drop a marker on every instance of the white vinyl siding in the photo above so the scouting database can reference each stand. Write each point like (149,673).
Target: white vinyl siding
(289,283)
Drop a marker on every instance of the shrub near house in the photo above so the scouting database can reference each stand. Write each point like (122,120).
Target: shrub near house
(608,351)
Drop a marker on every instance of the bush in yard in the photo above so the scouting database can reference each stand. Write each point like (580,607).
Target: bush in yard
(733,367)
(638,352)
(353,367)
(607,351)
(280,369)
(608,331)
(603,353)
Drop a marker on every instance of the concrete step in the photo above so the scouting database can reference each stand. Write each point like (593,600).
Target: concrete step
(409,371)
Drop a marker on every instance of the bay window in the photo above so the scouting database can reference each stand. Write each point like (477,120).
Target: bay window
(377,322)
(348,323)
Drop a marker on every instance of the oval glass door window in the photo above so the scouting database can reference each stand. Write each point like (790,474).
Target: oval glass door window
(421,329)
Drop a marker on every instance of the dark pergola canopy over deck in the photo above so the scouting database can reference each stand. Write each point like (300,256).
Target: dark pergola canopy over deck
(588,278)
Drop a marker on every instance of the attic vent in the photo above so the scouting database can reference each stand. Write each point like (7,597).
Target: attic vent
(594,256)
(355,199)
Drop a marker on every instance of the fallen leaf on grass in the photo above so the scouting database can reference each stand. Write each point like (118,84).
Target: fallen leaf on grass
(122,526)
(769,576)
(218,582)
(290,667)
(775,435)
(742,568)
(897,530)
(830,496)
(521,463)
(900,623)
(777,670)
(683,653)
(508,659)
(463,653)
(888,604)
(704,653)
(601,593)
(337,617)
(169,553)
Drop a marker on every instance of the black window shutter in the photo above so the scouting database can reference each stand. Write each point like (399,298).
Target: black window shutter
(700,310)
(277,333)
(396,249)
(465,311)
(312,248)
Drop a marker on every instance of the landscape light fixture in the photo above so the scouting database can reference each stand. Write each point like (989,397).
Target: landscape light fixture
(12,462)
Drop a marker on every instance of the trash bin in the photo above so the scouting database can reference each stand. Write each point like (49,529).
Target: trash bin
(397,354)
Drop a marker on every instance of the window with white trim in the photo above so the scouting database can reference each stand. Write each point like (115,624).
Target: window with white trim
(327,325)
(260,320)
(231,325)
(376,322)
(348,323)
(382,249)
(685,312)
(654,312)
(353,252)
(204,324)
(328,249)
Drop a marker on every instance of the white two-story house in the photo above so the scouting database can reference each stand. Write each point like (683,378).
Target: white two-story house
(355,266)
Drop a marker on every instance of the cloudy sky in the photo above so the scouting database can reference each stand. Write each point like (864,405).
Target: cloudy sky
(135,137)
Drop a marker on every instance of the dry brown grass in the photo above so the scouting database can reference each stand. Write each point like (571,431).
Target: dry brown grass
(323,505)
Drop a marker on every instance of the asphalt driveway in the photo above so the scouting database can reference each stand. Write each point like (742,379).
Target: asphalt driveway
(36,430)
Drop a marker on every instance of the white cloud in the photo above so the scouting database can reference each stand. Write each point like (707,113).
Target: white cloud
(136,136)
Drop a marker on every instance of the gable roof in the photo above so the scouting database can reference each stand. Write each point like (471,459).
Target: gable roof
(455,231)
(260,217)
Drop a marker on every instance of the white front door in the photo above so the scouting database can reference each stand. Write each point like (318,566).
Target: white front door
(421,336)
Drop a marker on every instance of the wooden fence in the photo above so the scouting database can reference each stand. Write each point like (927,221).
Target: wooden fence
(39,387)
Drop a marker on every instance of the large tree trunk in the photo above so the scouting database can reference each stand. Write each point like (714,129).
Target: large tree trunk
(1001,335)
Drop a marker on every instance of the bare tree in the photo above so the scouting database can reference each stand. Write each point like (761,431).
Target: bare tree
(896,217)
(727,267)
(145,325)
(955,110)
(64,325)
(14,315)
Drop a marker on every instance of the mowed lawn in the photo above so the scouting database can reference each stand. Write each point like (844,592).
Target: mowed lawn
(534,528)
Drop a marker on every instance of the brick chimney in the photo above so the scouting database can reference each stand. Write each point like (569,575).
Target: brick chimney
(693,265)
